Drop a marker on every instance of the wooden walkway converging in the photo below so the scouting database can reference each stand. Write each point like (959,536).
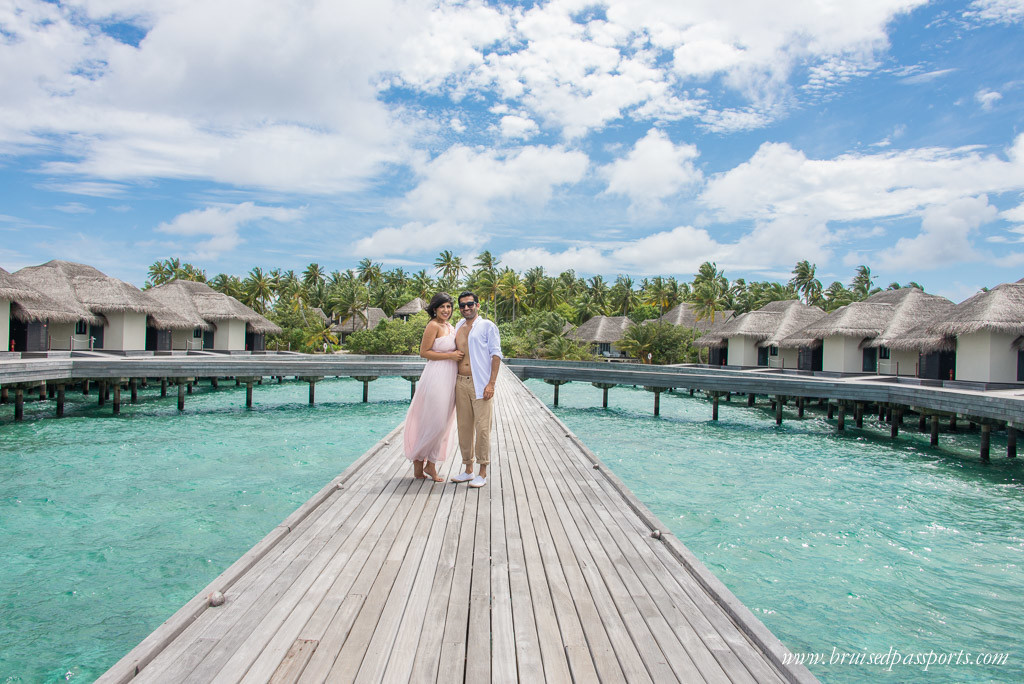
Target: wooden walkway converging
(552,572)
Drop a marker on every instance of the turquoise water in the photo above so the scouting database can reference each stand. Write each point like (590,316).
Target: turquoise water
(850,542)
(856,543)
(109,525)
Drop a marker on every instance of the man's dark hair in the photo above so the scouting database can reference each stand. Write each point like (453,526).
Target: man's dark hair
(467,293)
(436,301)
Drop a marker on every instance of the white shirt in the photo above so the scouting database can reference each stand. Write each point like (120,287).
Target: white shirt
(484,343)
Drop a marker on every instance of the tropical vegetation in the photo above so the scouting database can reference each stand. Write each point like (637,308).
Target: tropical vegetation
(531,307)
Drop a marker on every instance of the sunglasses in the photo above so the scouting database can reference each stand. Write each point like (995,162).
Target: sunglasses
(467,305)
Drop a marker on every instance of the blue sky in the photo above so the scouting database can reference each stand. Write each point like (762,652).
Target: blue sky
(636,136)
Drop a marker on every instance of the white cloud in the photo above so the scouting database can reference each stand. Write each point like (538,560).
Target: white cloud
(222,224)
(926,77)
(418,238)
(581,259)
(75,208)
(653,170)
(513,126)
(987,98)
(998,11)
(944,238)
(463,184)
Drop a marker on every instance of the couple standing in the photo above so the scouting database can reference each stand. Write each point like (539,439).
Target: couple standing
(457,382)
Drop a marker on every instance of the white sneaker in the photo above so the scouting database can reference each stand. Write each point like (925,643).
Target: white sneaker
(463,477)
(478,481)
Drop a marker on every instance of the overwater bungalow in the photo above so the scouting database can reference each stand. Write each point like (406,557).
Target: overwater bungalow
(987,333)
(860,337)
(25,315)
(107,314)
(410,308)
(207,319)
(368,320)
(752,338)
(602,333)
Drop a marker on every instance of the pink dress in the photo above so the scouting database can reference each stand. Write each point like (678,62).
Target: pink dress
(428,425)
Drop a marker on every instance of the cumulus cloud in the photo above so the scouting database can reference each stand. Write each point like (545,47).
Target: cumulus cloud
(997,11)
(222,225)
(416,238)
(653,170)
(513,126)
(944,238)
(463,184)
(582,259)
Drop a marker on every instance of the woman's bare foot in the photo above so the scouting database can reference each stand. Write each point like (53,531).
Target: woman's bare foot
(430,470)
(417,470)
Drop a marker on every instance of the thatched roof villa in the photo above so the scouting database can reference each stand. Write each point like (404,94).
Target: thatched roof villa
(371,318)
(858,337)
(23,308)
(107,314)
(410,308)
(987,332)
(602,333)
(752,338)
(203,318)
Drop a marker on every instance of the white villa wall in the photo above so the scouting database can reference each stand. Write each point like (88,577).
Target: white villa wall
(230,335)
(61,334)
(183,339)
(742,351)
(787,358)
(841,354)
(5,325)
(986,356)
(906,359)
(125,331)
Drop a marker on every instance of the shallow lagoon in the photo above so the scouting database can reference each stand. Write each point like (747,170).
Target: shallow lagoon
(852,542)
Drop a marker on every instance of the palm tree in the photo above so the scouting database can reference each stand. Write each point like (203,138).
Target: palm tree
(708,300)
(350,299)
(320,334)
(229,285)
(449,267)
(369,272)
(258,290)
(512,288)
(836,295)
(159,273)
(549,294)
(487,285)
(599,290)
(423,285)
(622,297)
(485,261)
(585,307)
(657,294)
(532,280)
(313,275)
(862,284)
(804,282)
(638,341)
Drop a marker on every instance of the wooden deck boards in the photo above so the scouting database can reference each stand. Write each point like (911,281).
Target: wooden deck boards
(548,573)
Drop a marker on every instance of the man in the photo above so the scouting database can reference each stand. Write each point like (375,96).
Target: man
(478,338)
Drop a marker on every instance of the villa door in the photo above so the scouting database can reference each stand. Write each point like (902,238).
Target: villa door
(870,360)
(1020,366)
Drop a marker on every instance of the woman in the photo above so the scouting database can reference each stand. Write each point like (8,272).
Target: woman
(432,411)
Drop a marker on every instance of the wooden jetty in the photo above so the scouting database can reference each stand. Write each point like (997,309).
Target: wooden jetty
(552,572)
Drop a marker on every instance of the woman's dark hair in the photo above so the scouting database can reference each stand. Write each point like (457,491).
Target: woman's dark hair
(436,301)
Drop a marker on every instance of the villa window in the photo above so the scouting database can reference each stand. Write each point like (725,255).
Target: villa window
(883,353)
(197,333)
(773,351)
(81,328)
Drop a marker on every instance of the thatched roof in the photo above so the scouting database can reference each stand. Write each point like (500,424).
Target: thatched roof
(685,315)
(373,317)
(197,305)
(30,305)
(410,308)
(83,291)
(601,330)
(767,325)
(321,316)
(914,308)
(859,319)
(1001,309)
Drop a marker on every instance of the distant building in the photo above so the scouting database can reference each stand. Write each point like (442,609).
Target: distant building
(410,308)
(752,338)
(369,319)
(602,333)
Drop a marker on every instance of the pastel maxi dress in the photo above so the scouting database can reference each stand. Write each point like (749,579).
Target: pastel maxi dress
(428,425)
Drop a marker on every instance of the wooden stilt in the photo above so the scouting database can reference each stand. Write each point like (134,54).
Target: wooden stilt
(412,390)
(133,385)
(714,406)
(604,397)
(922,423)
(248,393)
(102,392)
(556,395)
(858,414)
(42,391)
(215,383)
(181,395)
(19,405)
(163,387)
(85,388)
(831,411)
(366,391)
(50,390)
(894,426)
(657,402)
(881,412)
(60,401)
(800,407)
(4,397)
(952,423)
(750,400)
(188,386)
(778,410)
(1011,442)
(934,441)
(986,433)
(117,398)
(841,424)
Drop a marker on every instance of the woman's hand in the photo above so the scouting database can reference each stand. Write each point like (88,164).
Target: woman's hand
(457,355)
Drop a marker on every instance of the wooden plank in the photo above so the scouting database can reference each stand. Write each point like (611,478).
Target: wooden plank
(294,661)
(502,629)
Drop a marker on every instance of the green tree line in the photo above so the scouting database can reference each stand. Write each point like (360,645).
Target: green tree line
(532,307)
